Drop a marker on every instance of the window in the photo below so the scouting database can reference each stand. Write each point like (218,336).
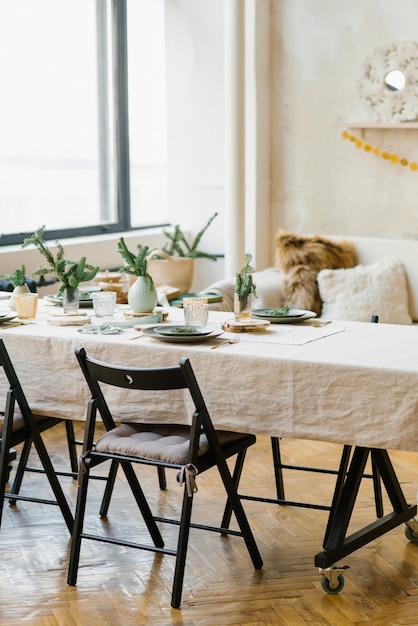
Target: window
(75,154)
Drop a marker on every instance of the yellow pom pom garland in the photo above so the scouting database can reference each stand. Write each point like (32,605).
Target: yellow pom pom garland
(392,158)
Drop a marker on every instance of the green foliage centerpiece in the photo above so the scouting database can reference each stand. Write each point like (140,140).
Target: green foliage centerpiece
(69,273)
(18,280)
(17,277)
(142,295)
(244,290)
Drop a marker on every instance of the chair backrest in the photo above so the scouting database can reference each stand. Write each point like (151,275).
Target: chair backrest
(155,379)
(15,390)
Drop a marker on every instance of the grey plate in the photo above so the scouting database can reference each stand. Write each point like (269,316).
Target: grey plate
(153,332)
(7,317)
(298,315)
(173,331)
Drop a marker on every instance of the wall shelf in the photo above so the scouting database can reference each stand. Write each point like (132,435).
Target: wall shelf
(378,125)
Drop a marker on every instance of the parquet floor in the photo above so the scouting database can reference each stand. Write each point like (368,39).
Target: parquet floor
(124,586)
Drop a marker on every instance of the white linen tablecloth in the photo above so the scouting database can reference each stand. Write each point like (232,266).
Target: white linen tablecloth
(350,383)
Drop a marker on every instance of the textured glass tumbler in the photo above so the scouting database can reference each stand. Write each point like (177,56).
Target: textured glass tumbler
(196,311)
(104,303)
(26,305)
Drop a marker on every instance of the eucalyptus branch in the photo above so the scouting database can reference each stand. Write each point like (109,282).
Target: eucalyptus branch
(17,277)
(69,273)
(244,285)
(136,264)
(179,246)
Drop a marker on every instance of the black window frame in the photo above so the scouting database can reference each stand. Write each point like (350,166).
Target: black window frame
(120,127)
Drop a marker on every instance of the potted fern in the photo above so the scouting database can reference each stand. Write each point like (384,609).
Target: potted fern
(173,264)
(69,273)
(244,290)
(142,295)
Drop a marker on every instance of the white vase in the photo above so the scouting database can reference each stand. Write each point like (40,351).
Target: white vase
(141,298)
(18,289)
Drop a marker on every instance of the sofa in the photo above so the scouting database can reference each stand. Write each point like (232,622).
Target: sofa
(348,278)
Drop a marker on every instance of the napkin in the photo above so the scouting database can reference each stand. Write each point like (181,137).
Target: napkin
(101,329)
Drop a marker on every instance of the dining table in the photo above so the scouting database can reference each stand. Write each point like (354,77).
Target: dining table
(345,382)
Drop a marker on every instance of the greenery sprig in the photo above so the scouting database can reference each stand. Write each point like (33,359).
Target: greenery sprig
(69,273)
(244,285)
(179,246)
(17,277)
(136,264)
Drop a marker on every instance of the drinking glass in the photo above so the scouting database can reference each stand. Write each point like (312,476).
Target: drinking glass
(104,303)
(196,311)
(26,306)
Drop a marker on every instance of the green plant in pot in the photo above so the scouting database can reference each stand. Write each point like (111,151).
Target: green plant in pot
(173,264)
(245,289)
(69,273)
(142,294)
(18,280)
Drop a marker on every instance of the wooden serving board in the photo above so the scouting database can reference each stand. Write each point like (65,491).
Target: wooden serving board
(247,326)
(68,320)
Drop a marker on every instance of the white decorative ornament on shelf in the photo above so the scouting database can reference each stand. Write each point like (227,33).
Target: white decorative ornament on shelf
(388,85)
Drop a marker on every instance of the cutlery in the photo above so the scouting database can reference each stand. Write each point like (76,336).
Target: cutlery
(225,342)
(141,334)
(319,323)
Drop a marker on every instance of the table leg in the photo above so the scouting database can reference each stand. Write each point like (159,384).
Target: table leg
(336,544)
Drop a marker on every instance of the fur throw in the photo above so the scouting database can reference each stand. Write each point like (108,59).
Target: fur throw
(300,258)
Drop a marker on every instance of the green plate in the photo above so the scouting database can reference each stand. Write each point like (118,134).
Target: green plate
(155,334)
(183,331)
(294,315)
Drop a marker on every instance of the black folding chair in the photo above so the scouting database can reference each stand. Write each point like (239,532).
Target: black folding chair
(20,426)
(189,450)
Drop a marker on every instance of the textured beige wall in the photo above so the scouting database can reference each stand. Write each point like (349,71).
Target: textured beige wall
(321,183)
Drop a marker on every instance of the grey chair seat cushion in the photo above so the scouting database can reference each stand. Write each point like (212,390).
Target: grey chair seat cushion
(19,422)
(160,442)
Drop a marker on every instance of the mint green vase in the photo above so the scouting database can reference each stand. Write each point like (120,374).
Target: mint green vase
(141,298)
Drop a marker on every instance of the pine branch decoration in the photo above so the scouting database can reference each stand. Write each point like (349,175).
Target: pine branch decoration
(69,273)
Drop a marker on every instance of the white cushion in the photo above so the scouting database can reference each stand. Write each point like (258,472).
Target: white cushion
(359,292)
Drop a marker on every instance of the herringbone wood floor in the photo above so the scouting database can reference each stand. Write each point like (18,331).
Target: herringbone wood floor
(124,586)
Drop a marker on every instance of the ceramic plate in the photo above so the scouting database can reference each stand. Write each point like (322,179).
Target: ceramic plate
(7,317)
(294,315)
(153,332)
(183,331)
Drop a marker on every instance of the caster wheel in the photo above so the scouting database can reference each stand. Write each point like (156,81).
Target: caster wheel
(326,586)
(410,535)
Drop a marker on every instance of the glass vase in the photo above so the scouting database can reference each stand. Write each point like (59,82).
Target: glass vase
(70,300)
(242,307)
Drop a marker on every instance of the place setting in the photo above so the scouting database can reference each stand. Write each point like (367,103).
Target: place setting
(283,315)
(8,319)
(193,330)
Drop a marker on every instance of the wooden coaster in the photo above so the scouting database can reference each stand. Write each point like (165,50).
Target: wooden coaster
(59,313)
(247,326)
(68,320)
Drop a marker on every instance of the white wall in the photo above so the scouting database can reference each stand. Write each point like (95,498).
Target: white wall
(321,182)
(303,61)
